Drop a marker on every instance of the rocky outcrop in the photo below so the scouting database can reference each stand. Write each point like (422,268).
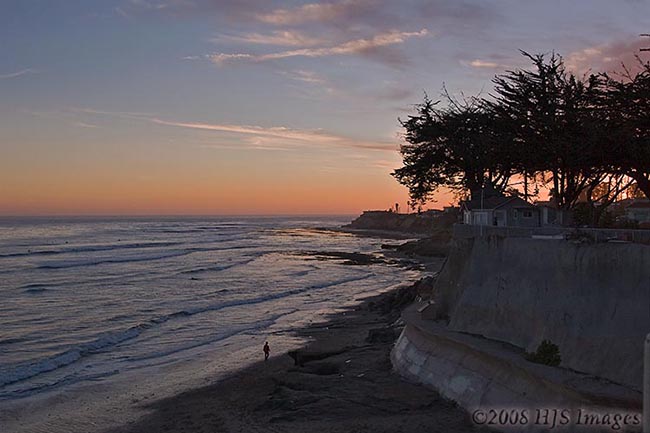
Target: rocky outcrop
(426,222)
(433,246)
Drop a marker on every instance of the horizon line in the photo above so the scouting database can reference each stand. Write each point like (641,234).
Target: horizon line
(259,215)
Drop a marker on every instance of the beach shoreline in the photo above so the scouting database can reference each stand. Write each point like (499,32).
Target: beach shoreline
(340,381)
(212,313)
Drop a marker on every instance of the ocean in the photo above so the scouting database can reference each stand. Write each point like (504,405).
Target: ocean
(102,315)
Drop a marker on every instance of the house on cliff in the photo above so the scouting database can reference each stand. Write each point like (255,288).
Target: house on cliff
(550,215)
(639,211)
(490,208)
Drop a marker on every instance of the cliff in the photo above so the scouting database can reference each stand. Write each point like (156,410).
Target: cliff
(422,223)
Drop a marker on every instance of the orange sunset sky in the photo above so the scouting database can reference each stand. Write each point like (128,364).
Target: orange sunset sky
(142,107)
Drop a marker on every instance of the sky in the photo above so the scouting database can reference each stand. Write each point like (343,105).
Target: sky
(231,107)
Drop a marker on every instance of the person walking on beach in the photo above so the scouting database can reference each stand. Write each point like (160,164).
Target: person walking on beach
(267,351)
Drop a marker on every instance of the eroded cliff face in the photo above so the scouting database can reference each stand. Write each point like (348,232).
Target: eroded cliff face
(592,300)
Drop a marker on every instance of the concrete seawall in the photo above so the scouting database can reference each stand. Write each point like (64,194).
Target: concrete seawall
(592,300)
(499,297)
(481,374)
(473,372)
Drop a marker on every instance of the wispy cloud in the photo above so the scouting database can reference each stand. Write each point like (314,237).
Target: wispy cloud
(357,46)
(308,84)
(85,125)
(315,12)
(608,57)
(261,136)
(484,64)
(18,73)
(129,114)
(221,58)
(268,138)
(121,12)
(285,38)
(304,76)
(68,116)
(278,131)
(149,4)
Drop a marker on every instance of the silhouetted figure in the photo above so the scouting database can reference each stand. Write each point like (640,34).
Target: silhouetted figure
(267,351)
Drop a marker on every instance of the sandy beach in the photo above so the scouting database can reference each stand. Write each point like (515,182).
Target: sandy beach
(345,383)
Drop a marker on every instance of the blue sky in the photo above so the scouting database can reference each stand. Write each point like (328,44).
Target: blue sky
(198,106)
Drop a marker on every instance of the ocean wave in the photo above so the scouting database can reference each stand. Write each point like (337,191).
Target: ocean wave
(269,297)
(191,230)
(17,373)
(216,268)
(39,387)
(219,337)
(63,264)
(12,340)
(222,227)
(89,248)
(304,272)
(37,289)
(20,372)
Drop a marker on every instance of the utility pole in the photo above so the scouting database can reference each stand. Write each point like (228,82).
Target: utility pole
(482,211)
(645,35)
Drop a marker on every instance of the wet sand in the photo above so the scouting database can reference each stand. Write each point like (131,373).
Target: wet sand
(345,384)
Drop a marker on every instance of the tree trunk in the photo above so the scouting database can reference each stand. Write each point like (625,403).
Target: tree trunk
(525,186)
(642,181)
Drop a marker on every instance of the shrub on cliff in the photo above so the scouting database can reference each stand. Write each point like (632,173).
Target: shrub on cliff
(547,353)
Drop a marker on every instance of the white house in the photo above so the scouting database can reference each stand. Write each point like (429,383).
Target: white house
(500,211)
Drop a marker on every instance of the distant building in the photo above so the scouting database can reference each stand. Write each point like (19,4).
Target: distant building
(490,208)
(550,215)
(639,211)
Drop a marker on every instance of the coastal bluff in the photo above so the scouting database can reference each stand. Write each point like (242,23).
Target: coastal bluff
(416,223)
(498,297)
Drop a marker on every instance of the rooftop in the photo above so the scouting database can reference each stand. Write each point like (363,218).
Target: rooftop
(496,202)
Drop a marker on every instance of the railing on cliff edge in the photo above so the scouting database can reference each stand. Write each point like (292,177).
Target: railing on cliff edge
(464,231)
(597,235)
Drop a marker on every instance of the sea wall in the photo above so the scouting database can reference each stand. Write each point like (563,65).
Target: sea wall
(481,374)
(592,300)
(470,375)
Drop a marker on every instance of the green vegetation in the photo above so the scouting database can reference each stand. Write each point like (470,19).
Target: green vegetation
(547,353)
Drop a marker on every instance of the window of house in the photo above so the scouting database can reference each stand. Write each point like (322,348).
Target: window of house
(527,213)
(481,218)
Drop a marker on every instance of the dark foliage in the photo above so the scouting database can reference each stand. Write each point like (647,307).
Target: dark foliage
(547,353)
(586,138)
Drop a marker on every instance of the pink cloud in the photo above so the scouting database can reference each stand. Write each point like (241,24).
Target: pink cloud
(358,46)
(608,57)
(314,12)
(281,135)
(287,38)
